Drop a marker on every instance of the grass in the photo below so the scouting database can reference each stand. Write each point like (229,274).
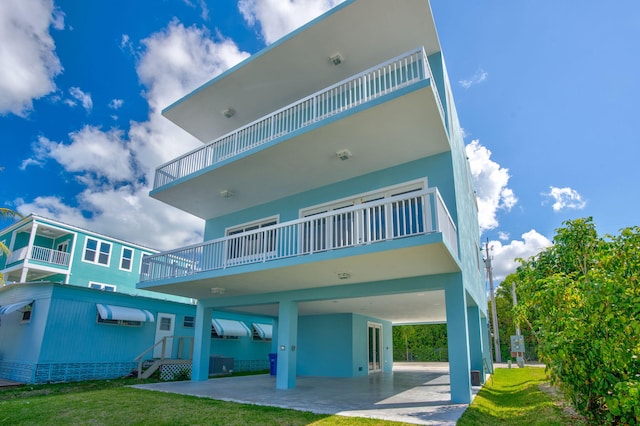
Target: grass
(110,402)
(511,397)
(514,397)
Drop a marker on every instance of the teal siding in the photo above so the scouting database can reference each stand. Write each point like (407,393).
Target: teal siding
(324,345)
(436,168)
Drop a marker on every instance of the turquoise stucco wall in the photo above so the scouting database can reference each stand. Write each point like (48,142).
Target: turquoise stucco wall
(436,168)
(325,345)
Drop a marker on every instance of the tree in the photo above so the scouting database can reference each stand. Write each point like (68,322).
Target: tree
(581,300)
(6,213)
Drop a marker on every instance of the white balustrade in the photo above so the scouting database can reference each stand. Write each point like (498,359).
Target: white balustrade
(401,216)
(373,83)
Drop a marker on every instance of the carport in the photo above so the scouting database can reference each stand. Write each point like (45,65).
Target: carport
(413,393)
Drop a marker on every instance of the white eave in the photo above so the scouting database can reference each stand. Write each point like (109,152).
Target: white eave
(363,32)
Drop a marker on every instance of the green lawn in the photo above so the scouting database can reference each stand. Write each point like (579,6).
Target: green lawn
(513,397)
(110,403)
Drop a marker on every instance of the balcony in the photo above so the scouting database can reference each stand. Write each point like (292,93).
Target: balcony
(40,254)
(383,79)
(314,238)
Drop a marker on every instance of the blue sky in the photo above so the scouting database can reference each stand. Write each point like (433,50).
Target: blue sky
(546,92)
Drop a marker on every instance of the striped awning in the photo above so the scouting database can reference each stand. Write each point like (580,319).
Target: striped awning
(265,331)
(111,312)
(225,327)
(7,309)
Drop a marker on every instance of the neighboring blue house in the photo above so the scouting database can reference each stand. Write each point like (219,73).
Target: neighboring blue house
(70,311)
(336,195)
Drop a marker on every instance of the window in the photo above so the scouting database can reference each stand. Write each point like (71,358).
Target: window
(26,314)
(103,287)
(246,248)
(188,321)
(165,324)
(366,224)
(215,335)
(126,259)
(144,267)
(97,251)
(128,323)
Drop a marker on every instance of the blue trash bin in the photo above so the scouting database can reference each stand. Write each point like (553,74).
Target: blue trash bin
(273,363)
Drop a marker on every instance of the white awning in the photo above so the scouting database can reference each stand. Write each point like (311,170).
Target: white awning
(265,331)
(7,309)
(226,327)
(111,312)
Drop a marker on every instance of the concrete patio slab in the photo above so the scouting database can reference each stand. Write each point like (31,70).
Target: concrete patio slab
(413,393)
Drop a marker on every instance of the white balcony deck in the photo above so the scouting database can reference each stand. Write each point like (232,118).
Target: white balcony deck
(41,254)
(367,86)
(402,216)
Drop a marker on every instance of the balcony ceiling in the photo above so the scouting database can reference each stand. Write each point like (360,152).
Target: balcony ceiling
(298,65)
(395,132)
(413,307)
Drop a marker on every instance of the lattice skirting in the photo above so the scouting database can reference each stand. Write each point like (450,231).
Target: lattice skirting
(175,372)
(75,372)
(17,371)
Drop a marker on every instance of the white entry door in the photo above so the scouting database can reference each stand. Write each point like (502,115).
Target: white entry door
(375,346)
(164,328)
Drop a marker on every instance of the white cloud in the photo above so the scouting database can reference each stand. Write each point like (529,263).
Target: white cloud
(479,77)
(117,166)
(277,17)
(28,58)
(103,155)
(178,60)
(565,198)
(504,256)
(82,97)
(203,5)
(116,103)
(490,181)
(504,236)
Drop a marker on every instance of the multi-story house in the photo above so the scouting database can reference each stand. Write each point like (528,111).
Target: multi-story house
(70,310)
(336,195)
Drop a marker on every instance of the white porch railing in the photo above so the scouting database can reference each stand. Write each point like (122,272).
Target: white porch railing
(401,216)
(380,80)
(41,254)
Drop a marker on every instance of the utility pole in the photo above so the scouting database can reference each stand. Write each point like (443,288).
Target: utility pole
(492,296)
(515,303)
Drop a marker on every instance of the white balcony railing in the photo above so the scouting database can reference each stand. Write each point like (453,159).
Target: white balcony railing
(373,83)
(41,254)
(401,216)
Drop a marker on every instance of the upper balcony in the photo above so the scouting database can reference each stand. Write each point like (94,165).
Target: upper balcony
(405,235)
(384,116)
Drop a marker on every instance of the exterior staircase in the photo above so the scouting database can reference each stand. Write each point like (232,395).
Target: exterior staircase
(148,366)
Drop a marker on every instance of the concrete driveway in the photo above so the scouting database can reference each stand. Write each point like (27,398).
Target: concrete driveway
(414,393)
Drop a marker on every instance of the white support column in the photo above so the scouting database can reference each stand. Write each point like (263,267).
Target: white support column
(32,238)
(458,343)
(201,343)
(287,345)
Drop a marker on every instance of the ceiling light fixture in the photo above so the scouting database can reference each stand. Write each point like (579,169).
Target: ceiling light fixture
(344,275)
(336,59)
(217,290)
(229,112)
(344,154)
(225,193)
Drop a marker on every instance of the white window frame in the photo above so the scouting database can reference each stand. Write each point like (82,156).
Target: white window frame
(98,250)
(323,229)
(101,286)
(123,258)
(142,256)
(246,244)
(27,314)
